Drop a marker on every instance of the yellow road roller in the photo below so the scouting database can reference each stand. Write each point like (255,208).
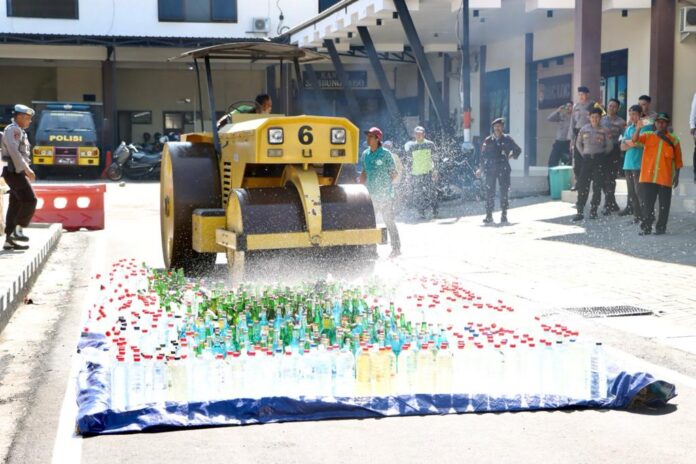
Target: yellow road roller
(261,182)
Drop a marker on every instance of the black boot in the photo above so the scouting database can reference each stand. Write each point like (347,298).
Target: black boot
(593,212)
(626,211)
(18,235)
(12,245)
(503,217)
(488,219)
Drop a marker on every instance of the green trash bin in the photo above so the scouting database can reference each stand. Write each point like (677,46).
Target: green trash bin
(559,180)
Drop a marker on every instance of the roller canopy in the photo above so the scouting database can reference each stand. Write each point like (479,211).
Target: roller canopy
(254,51)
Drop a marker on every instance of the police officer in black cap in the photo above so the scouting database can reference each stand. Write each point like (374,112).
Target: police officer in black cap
(16,153)
(579,118)
(496,151)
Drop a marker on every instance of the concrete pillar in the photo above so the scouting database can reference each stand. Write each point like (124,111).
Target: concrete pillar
(587,60)
(484,119)
(110,123)
(530,118)
(662,31)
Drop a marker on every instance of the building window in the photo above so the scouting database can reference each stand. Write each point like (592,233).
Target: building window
(326,4)
(53,9)
(495,102)
(614,83)
(202,11)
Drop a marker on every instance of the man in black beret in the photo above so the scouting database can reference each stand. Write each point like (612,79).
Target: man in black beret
(496,152)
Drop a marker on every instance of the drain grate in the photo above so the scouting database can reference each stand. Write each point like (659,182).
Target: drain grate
(610,311)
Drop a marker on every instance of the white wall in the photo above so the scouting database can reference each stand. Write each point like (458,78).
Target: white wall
(140,18)
(510,54)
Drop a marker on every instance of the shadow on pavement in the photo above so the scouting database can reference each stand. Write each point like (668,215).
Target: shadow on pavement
(451,211)
(668,408)
(620,235)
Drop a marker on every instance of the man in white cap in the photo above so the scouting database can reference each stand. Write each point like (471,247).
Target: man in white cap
(423,160)
(16,153)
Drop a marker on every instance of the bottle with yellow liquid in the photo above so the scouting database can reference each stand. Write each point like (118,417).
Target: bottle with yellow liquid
(406,371)
(363,372)
(380,371)
(443,370)
(425,370)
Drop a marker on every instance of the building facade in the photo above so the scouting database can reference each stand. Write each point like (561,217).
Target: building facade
(116,52)
(526,57)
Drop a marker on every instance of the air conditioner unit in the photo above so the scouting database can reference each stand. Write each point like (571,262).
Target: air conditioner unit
(261,24)
(688,19)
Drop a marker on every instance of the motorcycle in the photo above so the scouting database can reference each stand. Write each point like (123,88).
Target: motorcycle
(133,163)
(458,177)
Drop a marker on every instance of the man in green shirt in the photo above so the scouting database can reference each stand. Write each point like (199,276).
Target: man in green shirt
(423,159)
(378,174)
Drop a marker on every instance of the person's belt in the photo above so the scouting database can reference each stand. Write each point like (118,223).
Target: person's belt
(593,155)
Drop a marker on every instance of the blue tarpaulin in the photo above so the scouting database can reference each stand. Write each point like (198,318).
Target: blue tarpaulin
(95,416)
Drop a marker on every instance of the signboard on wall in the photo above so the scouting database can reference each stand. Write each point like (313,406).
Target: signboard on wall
(555,91)
(330,80)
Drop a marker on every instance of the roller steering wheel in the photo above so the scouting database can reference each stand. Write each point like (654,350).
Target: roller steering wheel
(225,119)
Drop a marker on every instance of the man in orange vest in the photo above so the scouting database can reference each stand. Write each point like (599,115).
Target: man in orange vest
(659,172)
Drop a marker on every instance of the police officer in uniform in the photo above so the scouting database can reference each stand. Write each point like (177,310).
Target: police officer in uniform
(16,153)
(579,117)
(496,151)
(594,145)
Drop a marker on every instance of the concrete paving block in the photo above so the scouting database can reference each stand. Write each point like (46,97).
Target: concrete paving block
(19,269)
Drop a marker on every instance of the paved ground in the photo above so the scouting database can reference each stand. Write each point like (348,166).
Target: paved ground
(541,260)
(18,269)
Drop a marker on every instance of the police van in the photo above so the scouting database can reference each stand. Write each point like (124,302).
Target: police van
(66,138)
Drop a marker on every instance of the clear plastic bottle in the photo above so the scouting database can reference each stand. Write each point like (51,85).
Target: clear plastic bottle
(344,383)
(577,370)
(148,379)
(219,378)
(288,374)
(236,370)
(270,373)
(599,387)
(136,392)
(460,366)
(406,371)
(251,376)
(512,374)
(305,374)
(425,370)
(119,384)
(363,372)
(443,370)
(494,364)
(201,383)
(549,384)
(175,374)
(322,371)
(159,380)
